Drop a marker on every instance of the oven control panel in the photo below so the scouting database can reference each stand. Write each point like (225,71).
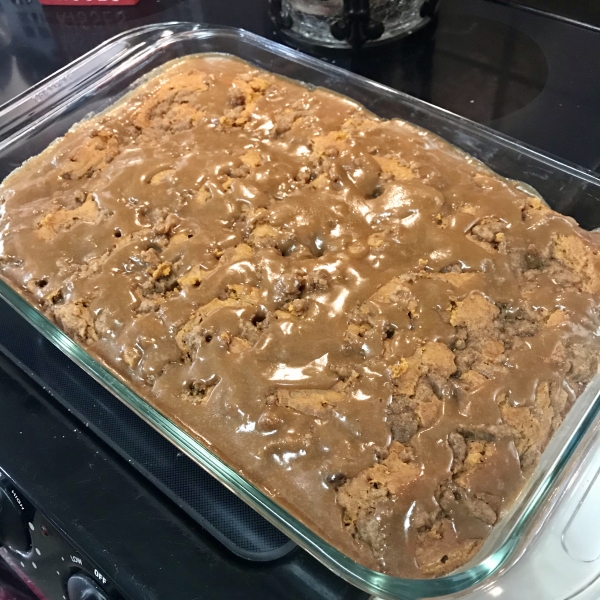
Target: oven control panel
(15,514)
(41,555)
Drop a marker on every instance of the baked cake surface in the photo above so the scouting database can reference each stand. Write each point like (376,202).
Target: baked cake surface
(365,322)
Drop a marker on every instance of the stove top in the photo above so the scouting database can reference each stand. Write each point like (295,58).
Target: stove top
(585,13)
(103,473)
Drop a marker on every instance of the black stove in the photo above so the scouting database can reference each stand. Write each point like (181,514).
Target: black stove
(94,504)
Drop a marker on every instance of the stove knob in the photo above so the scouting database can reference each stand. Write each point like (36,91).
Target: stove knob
(82,587)
(15,514)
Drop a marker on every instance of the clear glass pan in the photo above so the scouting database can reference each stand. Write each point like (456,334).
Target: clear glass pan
(34,119)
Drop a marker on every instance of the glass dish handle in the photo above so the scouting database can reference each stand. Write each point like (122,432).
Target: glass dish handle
(581,537)
(560,559)
(49,95)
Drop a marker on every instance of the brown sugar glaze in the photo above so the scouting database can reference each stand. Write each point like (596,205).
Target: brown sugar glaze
(362,320)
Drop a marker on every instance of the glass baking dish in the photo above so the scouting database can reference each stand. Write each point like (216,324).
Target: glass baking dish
(92,83)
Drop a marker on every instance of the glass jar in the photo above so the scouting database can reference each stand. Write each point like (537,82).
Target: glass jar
(346,23)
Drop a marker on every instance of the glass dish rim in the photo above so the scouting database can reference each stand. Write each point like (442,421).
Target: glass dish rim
(363,577)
